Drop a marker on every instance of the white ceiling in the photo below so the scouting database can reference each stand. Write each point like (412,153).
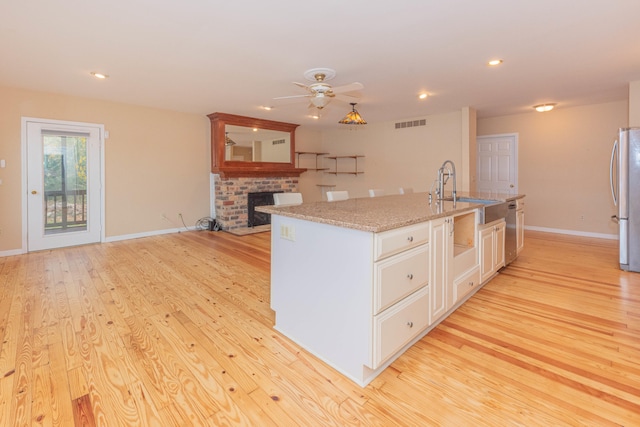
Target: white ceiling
(203,56)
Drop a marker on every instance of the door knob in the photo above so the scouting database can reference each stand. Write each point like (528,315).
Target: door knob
(511,186)
(34,192)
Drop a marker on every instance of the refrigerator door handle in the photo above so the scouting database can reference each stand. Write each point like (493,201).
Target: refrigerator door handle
(611,167)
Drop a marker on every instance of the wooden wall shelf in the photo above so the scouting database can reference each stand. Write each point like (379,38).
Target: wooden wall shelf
(353,171)
(312,153)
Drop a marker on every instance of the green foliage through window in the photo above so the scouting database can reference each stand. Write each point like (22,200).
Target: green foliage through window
(65,163)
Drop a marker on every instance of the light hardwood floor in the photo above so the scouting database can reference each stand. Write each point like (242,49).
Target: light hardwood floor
(176,330)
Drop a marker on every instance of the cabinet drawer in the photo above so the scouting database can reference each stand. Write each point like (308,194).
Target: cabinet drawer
(398,276)
(393,241)
(394,328)
(466,284)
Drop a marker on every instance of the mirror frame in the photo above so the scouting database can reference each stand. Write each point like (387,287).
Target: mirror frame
(230,168)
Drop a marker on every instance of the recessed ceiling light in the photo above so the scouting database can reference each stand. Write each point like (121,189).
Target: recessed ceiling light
(99,75)
(255,129)
(315,116)
(423,95)
(494,62)
(267,107)
(541,108)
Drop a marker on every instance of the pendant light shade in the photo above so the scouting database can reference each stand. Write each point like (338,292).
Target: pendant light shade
(353,117)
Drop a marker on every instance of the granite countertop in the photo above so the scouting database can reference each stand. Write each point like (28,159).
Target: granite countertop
(384,213)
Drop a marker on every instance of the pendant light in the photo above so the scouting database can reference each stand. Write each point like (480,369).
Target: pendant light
(353,117)
(228,141)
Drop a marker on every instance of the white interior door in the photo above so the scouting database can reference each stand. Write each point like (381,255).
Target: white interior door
(64,200)
(497,166)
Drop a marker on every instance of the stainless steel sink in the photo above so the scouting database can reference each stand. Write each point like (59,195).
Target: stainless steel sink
(472,200)
(491,210)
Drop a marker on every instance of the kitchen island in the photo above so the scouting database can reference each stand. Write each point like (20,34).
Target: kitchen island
(357,282)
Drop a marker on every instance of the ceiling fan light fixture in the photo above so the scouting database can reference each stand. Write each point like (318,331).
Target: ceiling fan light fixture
(543,108)
(353,117)
(320,100)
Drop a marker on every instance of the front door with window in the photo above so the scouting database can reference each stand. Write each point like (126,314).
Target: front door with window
(63,183)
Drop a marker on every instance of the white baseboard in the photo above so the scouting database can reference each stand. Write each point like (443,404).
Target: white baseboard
(572,232)
(146,234)
(113,239)
(12,252)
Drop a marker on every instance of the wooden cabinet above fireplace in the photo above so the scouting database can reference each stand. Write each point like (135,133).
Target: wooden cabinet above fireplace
(249,147)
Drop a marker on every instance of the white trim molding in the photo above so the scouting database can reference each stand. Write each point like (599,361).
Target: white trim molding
(572,232)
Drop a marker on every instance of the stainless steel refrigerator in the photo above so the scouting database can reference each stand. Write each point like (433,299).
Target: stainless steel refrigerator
(624,176)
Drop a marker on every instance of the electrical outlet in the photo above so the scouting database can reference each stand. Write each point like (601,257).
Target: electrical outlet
(288,232)
(581,217)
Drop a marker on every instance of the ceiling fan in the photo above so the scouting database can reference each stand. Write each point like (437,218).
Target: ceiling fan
(321,93)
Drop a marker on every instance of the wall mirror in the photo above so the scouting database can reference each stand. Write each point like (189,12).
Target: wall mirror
(247,146)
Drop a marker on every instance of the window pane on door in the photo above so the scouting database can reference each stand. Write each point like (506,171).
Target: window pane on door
(65,182)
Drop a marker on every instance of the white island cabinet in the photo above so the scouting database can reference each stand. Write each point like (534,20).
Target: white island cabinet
(352,298)
(357,282)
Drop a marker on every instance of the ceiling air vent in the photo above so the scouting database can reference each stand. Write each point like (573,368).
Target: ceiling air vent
(411,124)
(277,141)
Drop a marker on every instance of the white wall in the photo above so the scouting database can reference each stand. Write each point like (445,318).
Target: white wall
(156,162)
(634,104)
(408,157)
(564,165)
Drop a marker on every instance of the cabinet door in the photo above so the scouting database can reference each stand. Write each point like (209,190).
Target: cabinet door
(519,230)
(498,242)
(441,260)
(486,253)
(394,328)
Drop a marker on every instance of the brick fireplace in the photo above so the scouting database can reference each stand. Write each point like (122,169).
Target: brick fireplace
(231,201)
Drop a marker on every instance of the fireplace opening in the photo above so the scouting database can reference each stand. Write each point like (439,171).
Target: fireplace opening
(263,198)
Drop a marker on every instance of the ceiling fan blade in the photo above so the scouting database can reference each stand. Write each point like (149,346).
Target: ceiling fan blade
(293,96)
(348,88)
(302,85)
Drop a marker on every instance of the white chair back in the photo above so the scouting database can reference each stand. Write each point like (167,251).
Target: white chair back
(376,192)
(406,190)
(282,199)
(334,196)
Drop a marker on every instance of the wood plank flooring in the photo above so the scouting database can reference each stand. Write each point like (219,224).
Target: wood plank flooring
(176,330)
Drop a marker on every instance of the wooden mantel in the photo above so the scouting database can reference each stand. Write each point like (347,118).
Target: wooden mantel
(237,169)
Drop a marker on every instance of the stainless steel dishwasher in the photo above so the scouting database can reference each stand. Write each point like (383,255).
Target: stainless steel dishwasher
(510,238)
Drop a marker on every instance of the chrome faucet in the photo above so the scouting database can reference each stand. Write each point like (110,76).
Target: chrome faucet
(444,173)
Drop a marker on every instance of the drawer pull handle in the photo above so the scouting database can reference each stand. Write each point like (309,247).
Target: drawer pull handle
(410,324)
(410,276)
(410,238)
